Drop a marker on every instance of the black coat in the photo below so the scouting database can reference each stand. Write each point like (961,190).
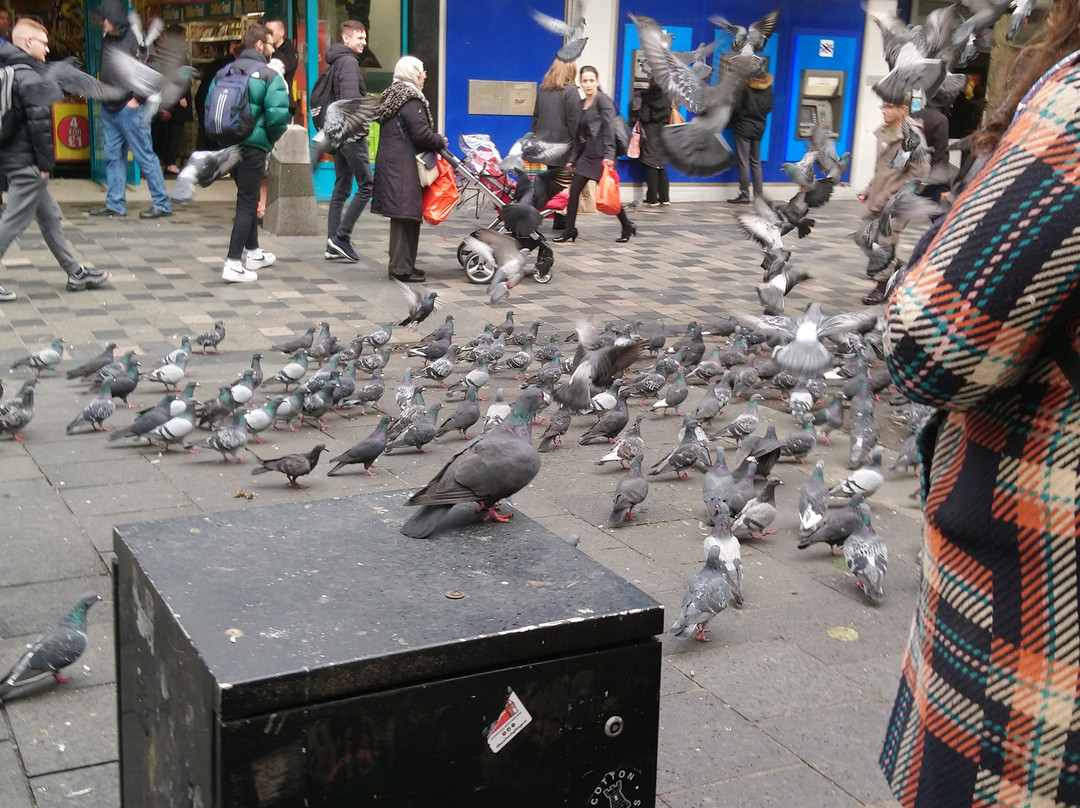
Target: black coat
(123,40)
(290,59)
(397,191)
(346,78)
(753,103)
(654,115)
(595,141)
(32,141)
(556,116)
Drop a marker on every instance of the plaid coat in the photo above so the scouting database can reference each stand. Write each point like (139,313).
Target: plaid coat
(987,713)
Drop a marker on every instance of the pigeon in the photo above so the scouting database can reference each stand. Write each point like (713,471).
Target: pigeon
(293,371)
(466,414)
(17,411)
(366,451)
(490,468)
(748,42)
(230,438)
(549,373)
(45,359)
(292,466)
(837,526)
(57,79)
(343,120)
(497,411)
(813,501)
(630,443)
(374,361)
(744,424)
(730,554)
(289,407)
(745,378)
(504,256)
(379,337)
(1021,12)
(316,405)
(573,32)
(419,433)
(706,596)
(95,411)
(867,558)
(709,406)
(799,444)
(218,408)
(421,303)
(829,418)
(716,488)
(908,456)
(630,492)
(800,402)
(506,326)
(203,168)
(368,393)
(56,649)
(431,350)
(443,333)
(403,395)
(918,56)
(595,365)
(864,433)
(260,419)
(765,449)
(151,417)
(556,428)
(606,399)
(608,425)
(212,338)
(758,513)
(175,353)
(302,342)
(162,85)
(244,389)
(691,452)
(742,489)
(169,374)
(88,369)
(174,430)
(674,396)
(864,480)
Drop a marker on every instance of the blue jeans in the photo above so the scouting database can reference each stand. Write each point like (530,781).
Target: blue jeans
(127,126)
(351,161)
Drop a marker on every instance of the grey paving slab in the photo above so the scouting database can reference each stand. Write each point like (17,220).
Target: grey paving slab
(50,548)
(31,608)
(796,785)
(86,787)
(65,729)
(14,789)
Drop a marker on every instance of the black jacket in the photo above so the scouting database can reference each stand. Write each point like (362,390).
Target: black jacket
(123,40)
(397,192)
(556,116)
(31,143)
(346,77)
(753,103)
(595,141)
(291,60)
(654,115)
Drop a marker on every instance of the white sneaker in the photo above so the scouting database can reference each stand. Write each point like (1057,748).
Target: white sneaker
(257,259)
(234,272)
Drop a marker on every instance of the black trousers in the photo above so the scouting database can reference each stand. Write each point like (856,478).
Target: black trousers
(577,185)
(656,185)
(248,176)
(166,137)
(748,153)
(404,241)
(351,161)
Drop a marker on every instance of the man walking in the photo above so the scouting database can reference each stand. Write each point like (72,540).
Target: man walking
(268,101)
(125,126)
(352,160)
(27,157)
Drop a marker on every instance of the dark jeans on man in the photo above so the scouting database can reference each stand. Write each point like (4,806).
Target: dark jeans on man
(352,161)
(748,153)
(248,175)
(404,242)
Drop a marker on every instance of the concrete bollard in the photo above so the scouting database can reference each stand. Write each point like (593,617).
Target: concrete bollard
(290,191)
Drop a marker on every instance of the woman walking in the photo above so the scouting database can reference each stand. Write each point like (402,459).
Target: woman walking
(593,148)
(406,129)
(555,120)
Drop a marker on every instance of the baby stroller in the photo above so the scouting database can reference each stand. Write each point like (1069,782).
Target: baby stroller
(485,181)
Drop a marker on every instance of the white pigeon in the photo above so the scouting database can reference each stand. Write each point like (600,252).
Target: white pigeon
(864,480)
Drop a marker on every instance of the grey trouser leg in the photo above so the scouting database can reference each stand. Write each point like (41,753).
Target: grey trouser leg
(29,197)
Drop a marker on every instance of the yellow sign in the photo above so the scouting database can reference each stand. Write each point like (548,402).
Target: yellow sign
(71,131)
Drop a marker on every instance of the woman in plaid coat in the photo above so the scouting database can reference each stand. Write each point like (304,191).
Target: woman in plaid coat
(983,327)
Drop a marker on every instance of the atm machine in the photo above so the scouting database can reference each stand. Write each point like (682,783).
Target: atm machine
(821,99)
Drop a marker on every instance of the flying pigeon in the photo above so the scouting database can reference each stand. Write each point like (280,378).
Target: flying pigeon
(574,33)
(706,596)
(421,303)
(56,649)
(161,87)
(292,466)
(203,168)
(343,120)
(748,42)
(595,365)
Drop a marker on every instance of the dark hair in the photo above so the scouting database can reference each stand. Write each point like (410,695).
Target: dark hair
(590,69)
(351,26)
(1058,37)
(255,33)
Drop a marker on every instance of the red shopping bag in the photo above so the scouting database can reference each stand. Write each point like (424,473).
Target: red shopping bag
(441,196)
(607,192)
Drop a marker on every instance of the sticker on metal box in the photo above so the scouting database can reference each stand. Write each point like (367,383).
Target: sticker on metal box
(512,720)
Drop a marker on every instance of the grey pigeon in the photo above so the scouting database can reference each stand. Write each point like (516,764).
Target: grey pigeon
(464,416)
(829,418)
(169,374)
(608,425)
(496,465)
(863,434)
(379,337)
(419,433)
(691,452)
(432,349)
(403,395)
(837,526)
(573,32)
(56,649)
(716,488)
(95,411)
(292,466)
(442,333)
(556,428)
(744,424)
(230,438)
(630,443)
(765,449)
(293,371)
(758,513)
(497,411)
(730,555)
(261,418)
(440,369)
(867,558)
(742,490)
(212,338)
(45,359)
(813,501)
(345,118)
(709,406)
(707,594)
(674,396)
(799,444)
(17,411)
(803,354)
(420,301)
(908,457)
(175,429)
(595,365)
(864,480)
(366,451)
(319,403)
(149,418)
(631,491)
(302,342)
(203,168)
(88,369)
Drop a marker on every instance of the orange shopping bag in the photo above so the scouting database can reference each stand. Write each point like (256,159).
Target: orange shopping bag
(441,196)
(607,192)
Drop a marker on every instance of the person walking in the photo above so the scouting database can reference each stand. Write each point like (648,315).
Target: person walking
(592,150)
(407,128)
(353,160)
(27,156)
(555,120)
(750,111)
(167,128)
(984,328)
(125,126)
(269,103)
(934,117)
(654,115)
(285,53)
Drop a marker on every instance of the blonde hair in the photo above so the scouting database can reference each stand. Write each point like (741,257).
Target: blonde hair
(559,75)
(25,26)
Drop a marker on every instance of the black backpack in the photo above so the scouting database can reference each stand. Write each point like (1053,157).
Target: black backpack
(7,107)
(228,118)
(321,97)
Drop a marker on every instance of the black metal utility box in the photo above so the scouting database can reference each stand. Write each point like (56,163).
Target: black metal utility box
(311,655)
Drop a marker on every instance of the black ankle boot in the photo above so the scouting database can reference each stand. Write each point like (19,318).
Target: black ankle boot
(626,233)
(567,235)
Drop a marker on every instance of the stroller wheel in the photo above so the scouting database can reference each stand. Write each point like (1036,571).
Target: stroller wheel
(464,252)
(542,272)
(477,270)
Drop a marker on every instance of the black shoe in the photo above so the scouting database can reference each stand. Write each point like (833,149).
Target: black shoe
(625,237)
(414,277)
(155,213)
(343,248)
(86,278)
(105,211)
(741,199)
(568,235)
